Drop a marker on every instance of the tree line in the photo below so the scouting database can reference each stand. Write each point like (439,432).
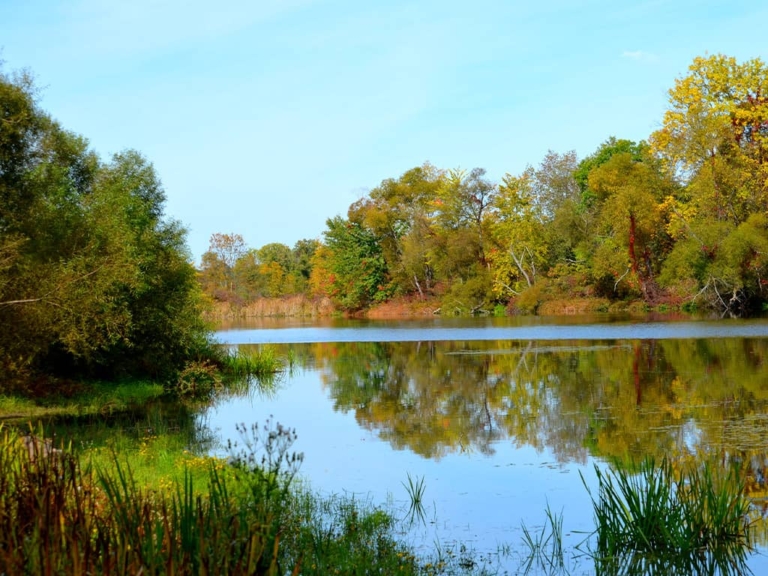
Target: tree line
(679,218)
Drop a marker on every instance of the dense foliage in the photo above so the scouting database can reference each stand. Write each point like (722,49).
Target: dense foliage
(680,219)
(94,280)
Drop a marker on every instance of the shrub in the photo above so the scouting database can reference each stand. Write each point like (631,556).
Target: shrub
(199,379)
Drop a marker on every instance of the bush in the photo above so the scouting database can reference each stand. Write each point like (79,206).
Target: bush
(199,379)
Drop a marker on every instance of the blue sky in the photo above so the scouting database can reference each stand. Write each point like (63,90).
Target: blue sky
(266,117)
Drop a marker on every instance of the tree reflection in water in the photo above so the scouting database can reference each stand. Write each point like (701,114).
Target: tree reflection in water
(616,400)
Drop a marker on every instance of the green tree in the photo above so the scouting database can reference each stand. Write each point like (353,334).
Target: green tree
(93,278)
(356,266)
(303,252)
(728,264)
(464,201)
(715,139)
(278,253)
(519,230)
(399,213)
(629,192)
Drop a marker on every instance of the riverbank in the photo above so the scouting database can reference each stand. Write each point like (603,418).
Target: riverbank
(403,308)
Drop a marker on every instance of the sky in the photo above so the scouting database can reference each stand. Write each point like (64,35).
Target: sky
(267,117)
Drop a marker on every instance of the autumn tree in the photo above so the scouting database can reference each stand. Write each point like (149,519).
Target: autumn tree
(399,213)
(714,138)
(218,263)
(715,135)
(519,231)
(629,193)
(464,201)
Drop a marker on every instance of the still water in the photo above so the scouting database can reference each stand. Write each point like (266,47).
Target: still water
(503,418)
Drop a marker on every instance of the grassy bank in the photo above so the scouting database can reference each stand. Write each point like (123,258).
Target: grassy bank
(60,514)
(79,399)
(154,508)
(198,381)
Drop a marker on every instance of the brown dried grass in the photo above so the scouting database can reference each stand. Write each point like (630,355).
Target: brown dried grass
(572,306)
(403,308)
(288,306)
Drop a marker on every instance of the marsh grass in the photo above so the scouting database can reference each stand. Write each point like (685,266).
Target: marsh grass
(342,535)
(415,489)
(544,549)
(91,398)
(659,515)
(231,372)
(261,362)
(151,508)
(58,517)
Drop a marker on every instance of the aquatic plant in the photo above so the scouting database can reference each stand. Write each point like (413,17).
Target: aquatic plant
(545,552)
(57,517)
(661,514)
(198,379)
(415,489)
(242,365)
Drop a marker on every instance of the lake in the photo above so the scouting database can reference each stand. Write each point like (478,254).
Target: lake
(504,417)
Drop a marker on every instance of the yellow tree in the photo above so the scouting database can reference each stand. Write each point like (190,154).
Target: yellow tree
(630,192)
(519,231)
(715,135)
(218,263)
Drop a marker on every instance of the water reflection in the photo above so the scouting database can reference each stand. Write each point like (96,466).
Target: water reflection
(620,400)
(458,404)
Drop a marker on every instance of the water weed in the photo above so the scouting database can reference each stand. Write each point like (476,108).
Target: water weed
(545,552)
(243,365)
(662,514)
(415,489)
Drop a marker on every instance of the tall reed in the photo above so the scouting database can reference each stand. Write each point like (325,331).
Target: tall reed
(262,362)
(415,489)
(545,553)
(660,514)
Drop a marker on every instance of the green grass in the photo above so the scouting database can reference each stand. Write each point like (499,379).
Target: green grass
(83,398)
(261,362)
(415,489)
(545,553)
(660,514)
(156,461)
(62,515)
(134,503)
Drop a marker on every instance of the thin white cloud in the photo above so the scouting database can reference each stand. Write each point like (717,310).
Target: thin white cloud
(639,56)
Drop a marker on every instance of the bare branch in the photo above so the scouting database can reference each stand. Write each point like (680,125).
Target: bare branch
(616,285)
(45,297)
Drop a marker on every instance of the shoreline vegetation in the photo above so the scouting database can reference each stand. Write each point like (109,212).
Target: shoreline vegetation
(302,306)
(248,514)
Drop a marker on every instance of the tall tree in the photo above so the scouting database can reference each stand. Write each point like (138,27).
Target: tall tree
(715,135)
(715,139)
(399,212)
(93,278)
(519,230)
(218,263)
(629,193)
(358,271)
